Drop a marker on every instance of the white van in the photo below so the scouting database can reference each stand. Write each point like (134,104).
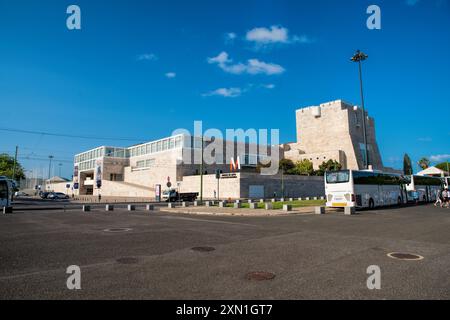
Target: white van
(5,192)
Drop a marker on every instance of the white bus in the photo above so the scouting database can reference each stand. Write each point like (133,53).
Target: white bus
(363,189)
(6,191)
(423,188)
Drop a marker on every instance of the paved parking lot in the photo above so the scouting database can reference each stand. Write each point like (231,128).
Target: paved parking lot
(311,256)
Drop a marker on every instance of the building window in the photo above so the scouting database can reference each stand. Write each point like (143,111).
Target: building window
(149,162)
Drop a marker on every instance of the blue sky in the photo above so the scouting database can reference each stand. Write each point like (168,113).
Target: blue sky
(141,69)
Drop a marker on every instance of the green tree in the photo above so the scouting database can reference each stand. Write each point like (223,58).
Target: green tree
(330,165)
(444,166)
(424,163)
(286,165)
(7,167)
(303,167)
(407,167)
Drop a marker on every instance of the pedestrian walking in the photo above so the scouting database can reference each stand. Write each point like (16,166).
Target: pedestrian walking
(445,196)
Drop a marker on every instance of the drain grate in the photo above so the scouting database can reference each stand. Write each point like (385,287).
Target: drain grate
(117,230)
(259,275)
(203,249)
(127,260)
(404,256)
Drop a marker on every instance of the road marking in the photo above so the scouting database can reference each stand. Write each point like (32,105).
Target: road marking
(205,220)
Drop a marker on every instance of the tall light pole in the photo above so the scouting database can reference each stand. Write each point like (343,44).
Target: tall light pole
(50,165)
(201,173)
(358,57)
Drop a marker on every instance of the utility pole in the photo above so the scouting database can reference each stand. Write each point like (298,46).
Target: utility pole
(15,164)
(50,166)
(358,57)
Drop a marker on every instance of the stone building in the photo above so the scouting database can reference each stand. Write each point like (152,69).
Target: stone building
(333,130)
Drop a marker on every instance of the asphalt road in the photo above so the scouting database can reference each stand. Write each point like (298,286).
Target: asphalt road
(311,256)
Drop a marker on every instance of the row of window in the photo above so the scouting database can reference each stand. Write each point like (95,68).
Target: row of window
(86,165)
(157,146)
(145,163)
(100,152)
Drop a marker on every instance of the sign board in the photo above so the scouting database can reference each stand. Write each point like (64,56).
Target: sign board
(75,186)
(67,186)
(158,192)
(228,176)
(98,173)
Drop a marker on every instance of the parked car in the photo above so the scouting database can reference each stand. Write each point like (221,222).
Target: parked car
(44,194)
(57,195)
(20,194)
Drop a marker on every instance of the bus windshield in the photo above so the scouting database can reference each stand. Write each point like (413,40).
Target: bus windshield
(338,176)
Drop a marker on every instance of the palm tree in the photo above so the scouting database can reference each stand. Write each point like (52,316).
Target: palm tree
(424,163)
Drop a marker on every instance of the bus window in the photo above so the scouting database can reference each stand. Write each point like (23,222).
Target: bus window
(338,176)
(4,194)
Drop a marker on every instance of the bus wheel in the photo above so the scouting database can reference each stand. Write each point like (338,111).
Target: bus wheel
(371,204)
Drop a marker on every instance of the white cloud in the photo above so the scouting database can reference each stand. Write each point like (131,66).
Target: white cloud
(274,35)
(225,92)
(230,37)
(170,75)
(412,2)
(253,66)
(425,139)
(268,86)
(147,57)
(440,157)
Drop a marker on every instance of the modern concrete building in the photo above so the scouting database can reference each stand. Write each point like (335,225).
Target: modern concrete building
(333,130)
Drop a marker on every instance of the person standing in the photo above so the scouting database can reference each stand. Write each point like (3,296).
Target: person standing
(438,198)
(445,197)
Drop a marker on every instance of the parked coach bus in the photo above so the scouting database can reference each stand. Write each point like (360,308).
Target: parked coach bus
(364,189)
(423,188)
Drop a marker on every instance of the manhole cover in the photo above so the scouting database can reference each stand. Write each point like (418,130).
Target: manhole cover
(203,249)
(117,230)
(127,260)
(260,276)
(404,256)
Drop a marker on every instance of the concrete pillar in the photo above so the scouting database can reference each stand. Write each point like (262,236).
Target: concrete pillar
(109,207)
(171,205)
(268,206)
(307,198)
(273,200)
(319,210)
(237,205)
(261,200)
(86,208)
(208,203)
(253,205)
(131,207)
(349,210)
(287,207)
(185,204)
(291,199)
(149,207)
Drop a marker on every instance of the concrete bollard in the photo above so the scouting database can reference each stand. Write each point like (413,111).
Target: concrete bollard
(86,208)
(149,207)
(300,199)
(185,204)
(222,204)
(261,200)
(322,198)
(171,205)
(307,198)
(109,207)
(319,210)
(208,203)
(315,198)
(349,210)
(131,207)
(287,207)
(268,206)
(273,200)
(6,210)
(282,199)
(253,205)
(291,199)
(250,201)
(238,201)
(237,205)
(197,203)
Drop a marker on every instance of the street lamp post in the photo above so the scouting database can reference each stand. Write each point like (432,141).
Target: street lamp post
(50,165)
(358,57)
